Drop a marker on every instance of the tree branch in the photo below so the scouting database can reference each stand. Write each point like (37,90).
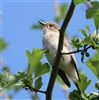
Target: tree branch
(32,89)
(58,55)
(35,90)
(77,51)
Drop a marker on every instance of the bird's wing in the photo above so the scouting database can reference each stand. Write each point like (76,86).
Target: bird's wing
(73,60)
(63,76)
(74,63)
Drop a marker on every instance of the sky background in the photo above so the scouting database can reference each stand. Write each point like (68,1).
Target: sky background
(17,18)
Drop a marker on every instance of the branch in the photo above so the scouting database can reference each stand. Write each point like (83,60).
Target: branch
(35,90)
(58,55)
(32,89)
(77,51)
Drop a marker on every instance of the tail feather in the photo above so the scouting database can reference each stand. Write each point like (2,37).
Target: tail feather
(63,76)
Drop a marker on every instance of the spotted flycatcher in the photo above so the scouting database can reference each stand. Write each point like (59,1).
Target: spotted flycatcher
(67,65)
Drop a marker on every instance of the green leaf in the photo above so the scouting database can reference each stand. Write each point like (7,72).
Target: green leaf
(36,26)
(76,42)
(87,40)
(95,4)
(3,44)
(88,28)
(97,85)
(61,13)
(96,20)
(34,57)
(63,8)
(8,80)
(41,69)
(83,32)
(38,83)
(34,60)
(84,82)
(75,95)
(76,2)
(93,64)
(95,37)
(93,12)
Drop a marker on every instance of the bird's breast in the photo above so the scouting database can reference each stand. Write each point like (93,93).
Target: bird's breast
(50,42)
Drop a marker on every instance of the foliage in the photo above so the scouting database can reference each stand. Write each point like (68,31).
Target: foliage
(78,1)
(90,41)
(84,82)
(35,63)
(93,64)
(3,44)
(93,12)
(62,11)
(31,78)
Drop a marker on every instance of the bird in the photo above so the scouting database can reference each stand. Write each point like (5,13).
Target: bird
(67,65)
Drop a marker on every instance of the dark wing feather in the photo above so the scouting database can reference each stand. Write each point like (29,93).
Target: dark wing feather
(74,63)
(72,56)
(64,77)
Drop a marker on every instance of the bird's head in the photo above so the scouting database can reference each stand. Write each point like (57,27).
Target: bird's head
(49,26)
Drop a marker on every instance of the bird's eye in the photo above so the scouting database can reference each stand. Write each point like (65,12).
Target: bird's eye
(51,25)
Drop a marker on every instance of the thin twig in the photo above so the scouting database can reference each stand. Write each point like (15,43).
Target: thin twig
(58,56)
(32,89)
(36,90)
(77,51)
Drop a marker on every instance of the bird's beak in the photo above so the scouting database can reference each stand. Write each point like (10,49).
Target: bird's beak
(42,23)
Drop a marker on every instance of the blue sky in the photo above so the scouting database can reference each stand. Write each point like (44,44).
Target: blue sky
(17,19)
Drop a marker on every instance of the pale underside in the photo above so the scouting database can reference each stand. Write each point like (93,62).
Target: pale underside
(67,62)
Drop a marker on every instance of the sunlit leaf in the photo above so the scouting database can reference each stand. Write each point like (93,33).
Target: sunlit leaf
(93,64)
(83,32)
(88,28)
(8,80)
(34,57)
(87,40)
(78,1)
(84,82)
(41,69)
(76,42)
